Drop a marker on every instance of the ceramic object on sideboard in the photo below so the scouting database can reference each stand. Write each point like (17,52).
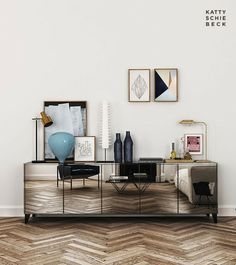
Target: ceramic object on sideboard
(128,148)
(61,144)
(118,149)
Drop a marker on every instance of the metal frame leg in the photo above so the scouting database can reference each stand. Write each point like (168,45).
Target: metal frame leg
(143,188)
(214,216)
(119,190)
(63,194)
(57,178)
(27,217)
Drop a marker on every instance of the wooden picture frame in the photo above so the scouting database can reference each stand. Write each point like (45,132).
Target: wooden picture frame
(85,149)
(139,85)
(165,84)
(194,143)
(65,109)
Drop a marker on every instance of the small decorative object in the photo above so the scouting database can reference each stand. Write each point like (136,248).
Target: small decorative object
(193,142)
(128,148)
(85,148)
(181,147)
(62,145)
(46,121)
(166,84)
(139,85)
(118,149)
(187,155)
(105,127)
(67,116)
(173,152)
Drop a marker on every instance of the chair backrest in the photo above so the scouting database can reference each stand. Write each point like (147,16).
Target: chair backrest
(77,171)
(84,170)
(64,171)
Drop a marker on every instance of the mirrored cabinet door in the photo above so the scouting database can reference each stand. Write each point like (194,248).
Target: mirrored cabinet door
(160,197)
(41,194)
(198,189)
(82,188)
(120,195)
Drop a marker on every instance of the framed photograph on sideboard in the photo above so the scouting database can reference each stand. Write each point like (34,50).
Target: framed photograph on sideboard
(85,149)
(139,85)
(67,116)
(194,143)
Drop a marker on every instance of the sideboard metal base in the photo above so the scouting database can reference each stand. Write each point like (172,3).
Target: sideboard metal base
(29,216)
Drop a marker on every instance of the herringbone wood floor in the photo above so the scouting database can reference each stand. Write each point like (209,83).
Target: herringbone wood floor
(157,241)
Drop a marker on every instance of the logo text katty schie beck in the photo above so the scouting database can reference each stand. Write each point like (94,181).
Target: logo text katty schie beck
(215,18)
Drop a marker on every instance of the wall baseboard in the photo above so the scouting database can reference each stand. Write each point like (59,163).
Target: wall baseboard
(18,211)
(227,210)
(11,211)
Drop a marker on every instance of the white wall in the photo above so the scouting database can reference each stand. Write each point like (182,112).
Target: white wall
(81,50)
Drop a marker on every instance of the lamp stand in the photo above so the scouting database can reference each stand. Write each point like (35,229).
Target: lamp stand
(205,138)
(36,142)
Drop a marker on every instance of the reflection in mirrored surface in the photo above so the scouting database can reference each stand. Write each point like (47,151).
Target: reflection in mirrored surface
(135,188)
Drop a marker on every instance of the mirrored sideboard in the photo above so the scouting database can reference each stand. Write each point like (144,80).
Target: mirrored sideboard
(125,189)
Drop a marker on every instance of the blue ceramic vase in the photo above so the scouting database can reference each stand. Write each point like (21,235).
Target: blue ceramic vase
(128,148)
(61,144)
(118,149)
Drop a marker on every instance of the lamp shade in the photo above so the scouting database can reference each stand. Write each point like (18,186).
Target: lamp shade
(61,144)
(46,120)
(187,122)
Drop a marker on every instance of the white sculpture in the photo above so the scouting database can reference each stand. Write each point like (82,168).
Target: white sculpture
(105,126)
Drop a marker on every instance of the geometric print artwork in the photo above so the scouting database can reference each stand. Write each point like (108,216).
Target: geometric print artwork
(139,85)
(166,85)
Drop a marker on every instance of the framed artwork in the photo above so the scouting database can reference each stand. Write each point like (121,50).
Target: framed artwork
(85,148)
(139,85)
(67,116)
(194,143)
(166,84)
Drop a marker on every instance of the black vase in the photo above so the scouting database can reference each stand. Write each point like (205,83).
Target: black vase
(118,149)
(128,148)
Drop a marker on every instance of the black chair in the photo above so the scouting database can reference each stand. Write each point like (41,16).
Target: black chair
(77,171)
(202,189)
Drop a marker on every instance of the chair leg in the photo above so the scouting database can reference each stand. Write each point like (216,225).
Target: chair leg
(71,183)
(83,182)
(98,181)
(57,178)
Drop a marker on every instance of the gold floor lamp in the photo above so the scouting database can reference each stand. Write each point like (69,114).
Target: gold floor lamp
(192,122)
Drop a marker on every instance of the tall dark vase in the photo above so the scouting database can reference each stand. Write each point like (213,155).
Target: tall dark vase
(118,149)
(128,148)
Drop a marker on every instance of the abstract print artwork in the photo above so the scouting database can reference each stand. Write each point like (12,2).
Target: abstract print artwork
(166,84)
(139,85)
(85,149)
(193,143)
(67,116)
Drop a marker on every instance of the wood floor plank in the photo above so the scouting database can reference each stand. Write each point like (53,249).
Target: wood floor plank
(118,241)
